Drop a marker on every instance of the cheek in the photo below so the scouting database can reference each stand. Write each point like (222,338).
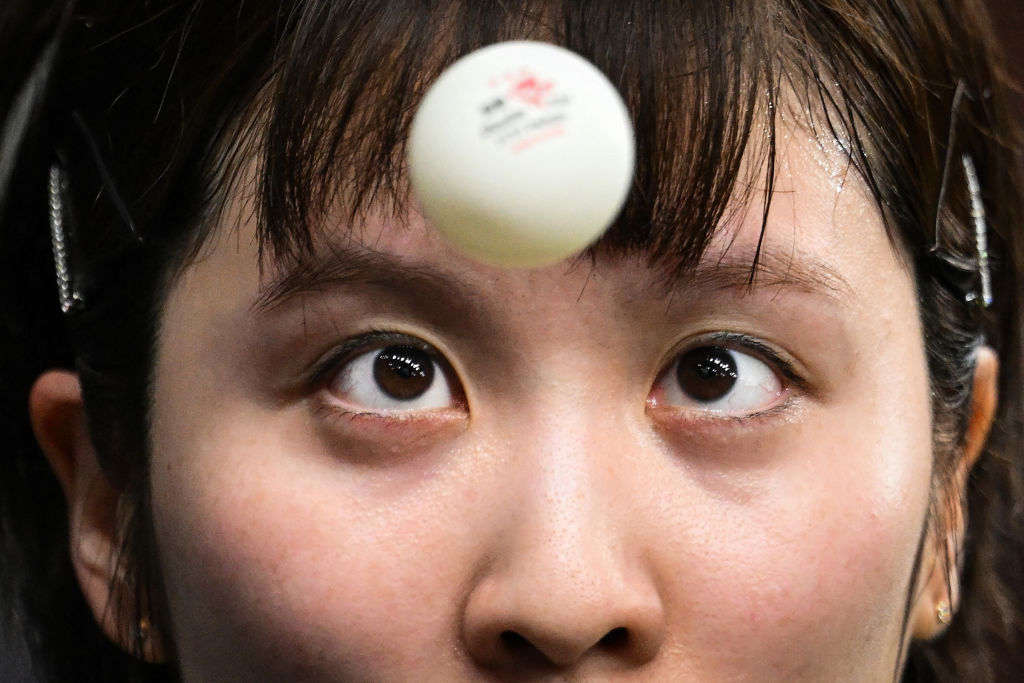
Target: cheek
(281,553)
(793,548)
(815,560)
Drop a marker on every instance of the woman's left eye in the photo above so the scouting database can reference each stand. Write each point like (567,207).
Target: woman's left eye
(719,379)
(396,377)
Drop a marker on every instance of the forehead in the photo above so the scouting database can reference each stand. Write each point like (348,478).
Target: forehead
(823,233)
(702,101)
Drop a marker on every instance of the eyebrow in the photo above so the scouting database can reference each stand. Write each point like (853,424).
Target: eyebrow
(747,269)
(352,265)
(341,266)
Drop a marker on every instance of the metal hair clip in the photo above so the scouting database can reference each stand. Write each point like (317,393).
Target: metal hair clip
(960,269)
(71,268)
(980,231)
(70,299)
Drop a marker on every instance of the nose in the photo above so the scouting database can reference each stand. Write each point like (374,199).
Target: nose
(511,626)
(566,584)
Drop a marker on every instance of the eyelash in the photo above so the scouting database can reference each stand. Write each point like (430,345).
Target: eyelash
(767,353)
(329,368)
(350,348)
(775,361)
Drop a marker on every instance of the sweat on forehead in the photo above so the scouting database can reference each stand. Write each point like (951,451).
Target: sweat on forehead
(702,87)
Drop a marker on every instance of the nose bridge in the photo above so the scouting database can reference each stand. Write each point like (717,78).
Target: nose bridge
(570,448)
(575,454)
(571,502)
(562,543)
(569,576)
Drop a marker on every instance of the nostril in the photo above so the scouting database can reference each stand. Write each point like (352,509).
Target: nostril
(615,639)
(514,642)
(520,650)
(542,653)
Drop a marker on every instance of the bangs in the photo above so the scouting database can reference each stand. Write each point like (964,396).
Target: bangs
(697,80)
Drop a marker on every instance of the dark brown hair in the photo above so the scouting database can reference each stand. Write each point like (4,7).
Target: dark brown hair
(155,109)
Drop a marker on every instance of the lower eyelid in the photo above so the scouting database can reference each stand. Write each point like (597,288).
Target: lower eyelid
(685,418)
(345,417)
(381,440)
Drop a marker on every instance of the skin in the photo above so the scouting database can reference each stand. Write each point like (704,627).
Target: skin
(567,497)
(569,513)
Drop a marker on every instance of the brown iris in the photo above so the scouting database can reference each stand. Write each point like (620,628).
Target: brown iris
(403,372)
(706,374)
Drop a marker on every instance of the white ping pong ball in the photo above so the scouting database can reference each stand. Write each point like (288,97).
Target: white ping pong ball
(521,153)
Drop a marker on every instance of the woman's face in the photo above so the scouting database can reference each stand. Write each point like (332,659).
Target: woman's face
(399,464)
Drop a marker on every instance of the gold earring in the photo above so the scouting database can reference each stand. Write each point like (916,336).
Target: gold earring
(142,630)
(943,612)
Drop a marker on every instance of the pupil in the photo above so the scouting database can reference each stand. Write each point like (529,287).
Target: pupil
(403,372)
(706,374)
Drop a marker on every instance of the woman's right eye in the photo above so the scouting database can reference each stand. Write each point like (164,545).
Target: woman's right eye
(395,378)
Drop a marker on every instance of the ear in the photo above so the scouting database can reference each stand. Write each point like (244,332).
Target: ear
(58,419)
(938,593)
